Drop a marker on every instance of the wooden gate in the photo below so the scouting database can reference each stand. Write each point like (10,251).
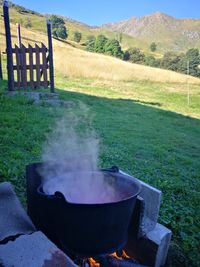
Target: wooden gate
(30,65)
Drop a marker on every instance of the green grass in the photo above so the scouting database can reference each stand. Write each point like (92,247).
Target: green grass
(141,128)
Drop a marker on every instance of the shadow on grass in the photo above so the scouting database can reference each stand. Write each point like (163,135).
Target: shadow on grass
(157,146)
(142,102)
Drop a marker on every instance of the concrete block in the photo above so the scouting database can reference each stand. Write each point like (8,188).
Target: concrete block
(134,227)
(151,206)
(152,200)
(162,237)
(13,218)
(152,249)
(34,250)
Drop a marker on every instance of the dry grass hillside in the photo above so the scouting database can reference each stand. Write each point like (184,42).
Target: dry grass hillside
(73,62)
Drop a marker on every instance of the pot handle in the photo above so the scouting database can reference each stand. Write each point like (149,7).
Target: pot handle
(112,169)
(57,194)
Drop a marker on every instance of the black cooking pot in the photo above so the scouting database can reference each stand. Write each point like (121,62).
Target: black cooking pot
(89,229)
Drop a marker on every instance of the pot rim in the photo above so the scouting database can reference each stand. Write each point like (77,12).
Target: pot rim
(132,179)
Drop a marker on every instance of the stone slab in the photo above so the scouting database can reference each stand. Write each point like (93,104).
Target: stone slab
(32,95)
(13,218)
(162,237)
(35,96)
(151,207)
(152,249)
(152,200)
(34,250)
(50,99)
(134,227)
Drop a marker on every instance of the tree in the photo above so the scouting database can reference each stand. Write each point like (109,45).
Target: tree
(90,43)
(171,61)
(56,21)
(58,27)
(100,43)
(126,55)
(153,47)
(136,56)
(113,48)
(192,57)
(61,32)
(77,36)
(152,61)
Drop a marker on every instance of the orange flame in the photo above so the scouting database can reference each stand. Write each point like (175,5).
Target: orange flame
(93,263)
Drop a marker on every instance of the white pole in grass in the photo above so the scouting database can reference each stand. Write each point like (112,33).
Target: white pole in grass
(188,84)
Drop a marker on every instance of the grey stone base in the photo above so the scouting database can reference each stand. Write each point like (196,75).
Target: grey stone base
(148,241)
(51,99)
(149,208)
(34,250)
(152,249)
(13,219)
(36,96)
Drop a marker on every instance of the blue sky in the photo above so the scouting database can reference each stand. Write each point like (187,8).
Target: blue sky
(102,11)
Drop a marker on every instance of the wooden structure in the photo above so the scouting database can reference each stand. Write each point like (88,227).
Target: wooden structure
(28,67)
(29,74)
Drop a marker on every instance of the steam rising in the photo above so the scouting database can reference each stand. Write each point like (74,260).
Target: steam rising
(71,162)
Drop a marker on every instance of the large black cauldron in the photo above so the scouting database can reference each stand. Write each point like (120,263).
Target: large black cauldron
(83,229)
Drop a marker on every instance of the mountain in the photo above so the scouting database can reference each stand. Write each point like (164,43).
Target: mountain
(168,32)
(20,14)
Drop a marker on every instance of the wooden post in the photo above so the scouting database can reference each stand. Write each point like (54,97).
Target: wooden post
(8,46)
(31,66)
(37,56)
(19,35)
(18,67)
(20,60)
(51,68)
(24,66)
(44,66)
(1,72)
(188,84)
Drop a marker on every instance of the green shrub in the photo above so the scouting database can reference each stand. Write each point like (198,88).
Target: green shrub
(77,36)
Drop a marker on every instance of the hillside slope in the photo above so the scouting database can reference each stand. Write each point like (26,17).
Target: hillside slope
(170,33)
(74,62)
(37,22)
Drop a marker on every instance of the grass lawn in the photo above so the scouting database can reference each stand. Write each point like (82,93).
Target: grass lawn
(145,128)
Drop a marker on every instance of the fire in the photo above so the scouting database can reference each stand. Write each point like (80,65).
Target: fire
(94,263)
(124,255)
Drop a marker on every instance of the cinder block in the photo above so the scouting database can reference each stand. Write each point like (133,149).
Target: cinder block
(13,218)
(34,250)
(150,207)
(152,249)
(137,216)
(152,200)
(162,237)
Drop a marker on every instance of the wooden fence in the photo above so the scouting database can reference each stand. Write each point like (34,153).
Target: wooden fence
(30,65)
(27,67)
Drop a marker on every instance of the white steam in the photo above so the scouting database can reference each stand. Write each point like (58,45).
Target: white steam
(71,157)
